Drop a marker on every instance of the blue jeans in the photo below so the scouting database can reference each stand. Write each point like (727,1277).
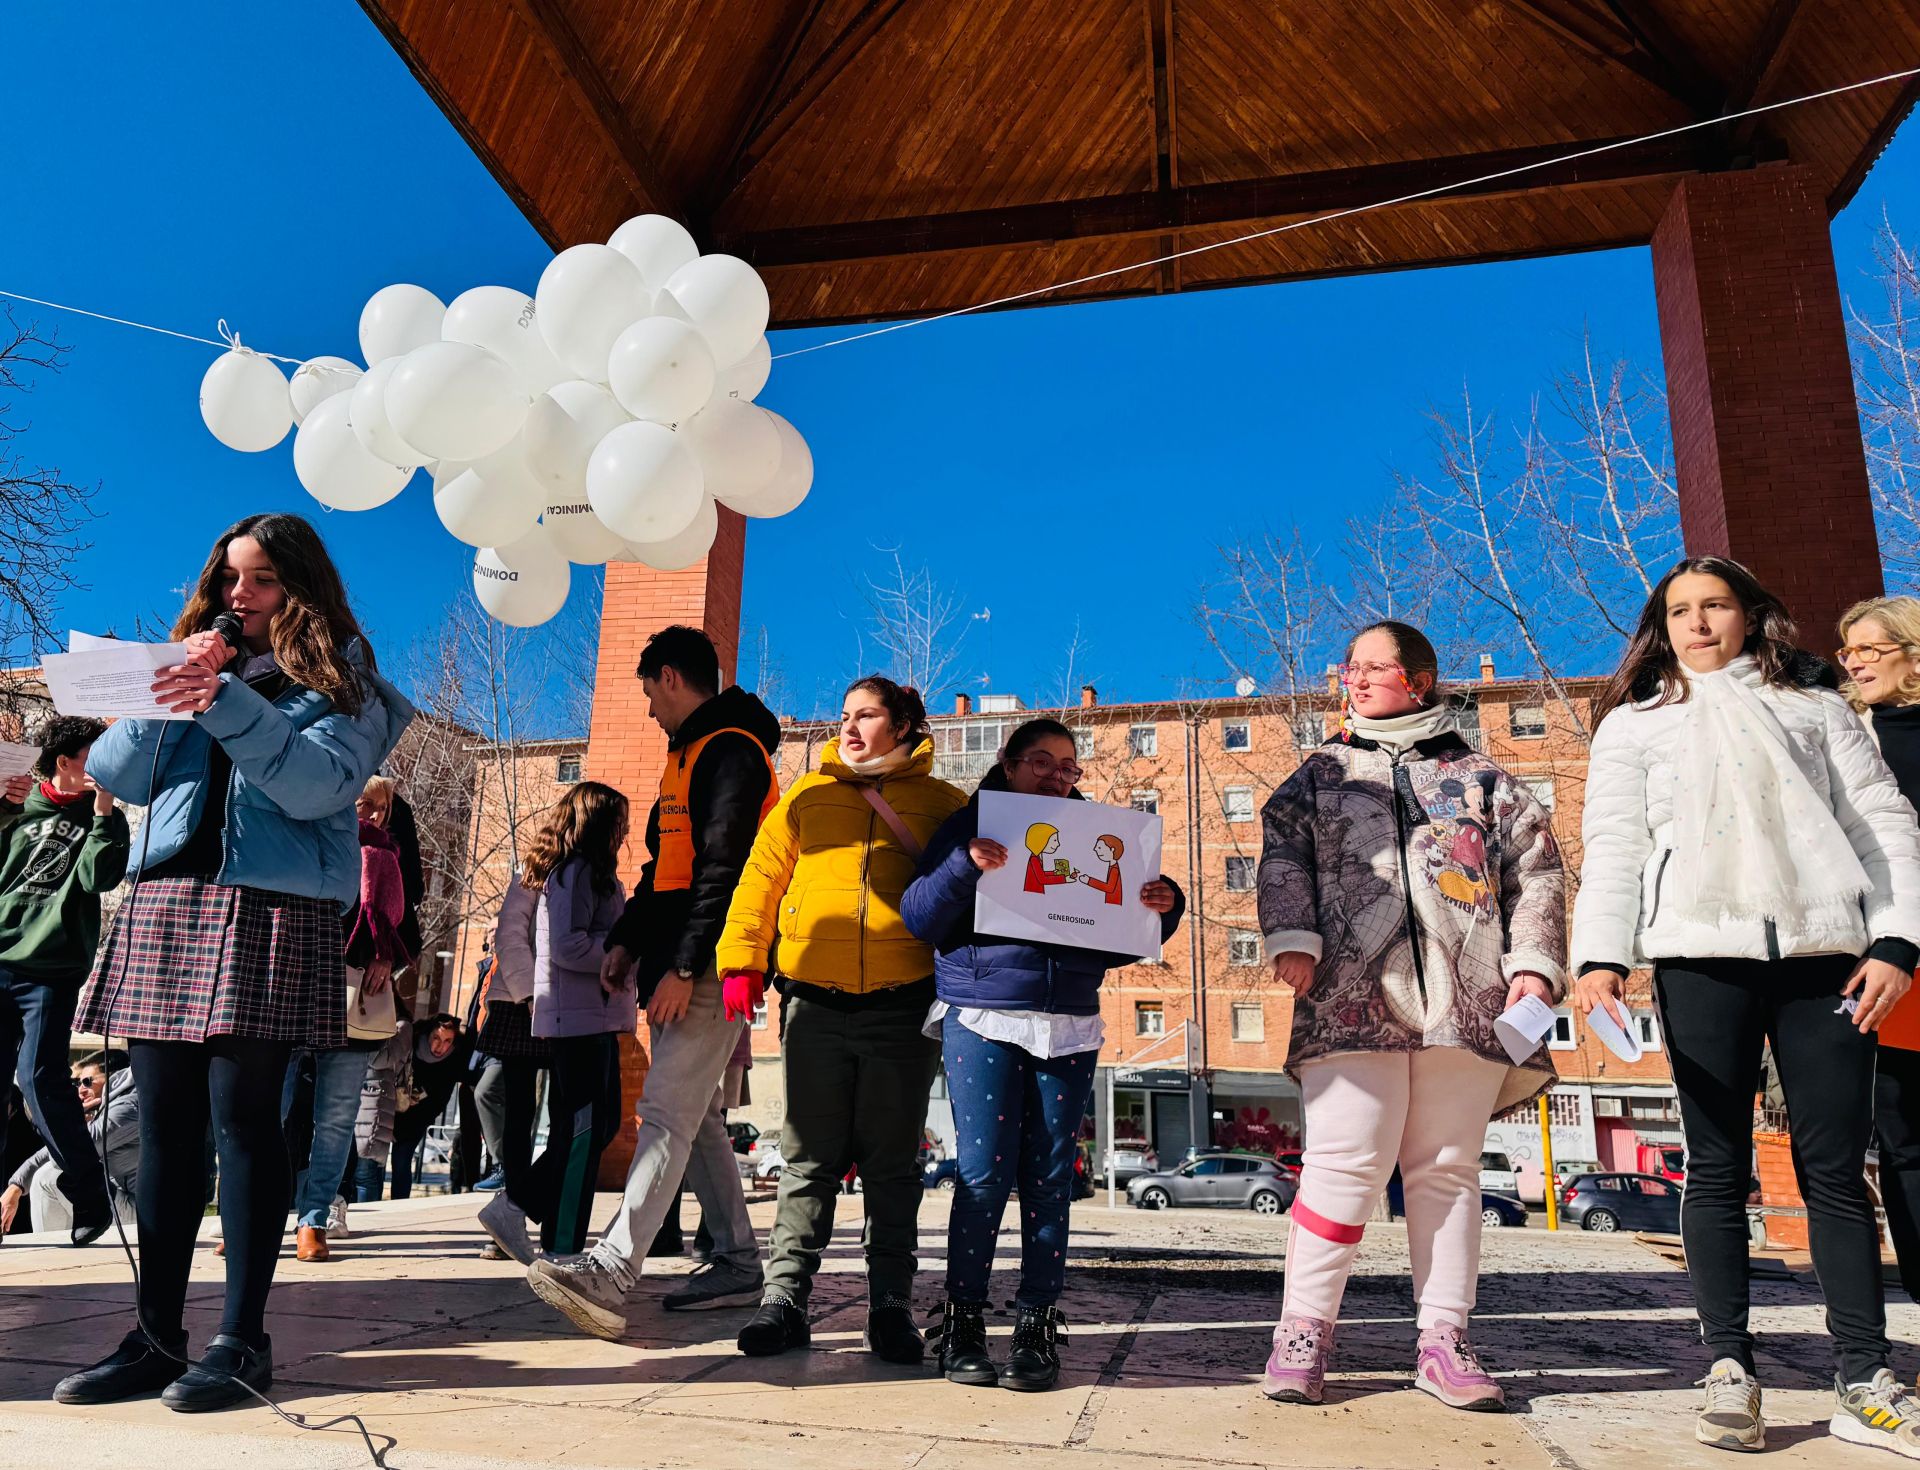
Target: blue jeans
(1018,1117)
(36,1028)
(337,1076)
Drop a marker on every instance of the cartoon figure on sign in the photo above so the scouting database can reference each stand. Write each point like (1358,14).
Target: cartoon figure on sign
(1107,849)
(1041,840)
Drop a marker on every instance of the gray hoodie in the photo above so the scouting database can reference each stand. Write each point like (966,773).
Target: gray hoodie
(119,1118)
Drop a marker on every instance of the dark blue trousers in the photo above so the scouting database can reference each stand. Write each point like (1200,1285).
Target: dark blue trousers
(36,1030)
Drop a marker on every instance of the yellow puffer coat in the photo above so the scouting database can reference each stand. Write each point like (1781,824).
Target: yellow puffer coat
(819,900)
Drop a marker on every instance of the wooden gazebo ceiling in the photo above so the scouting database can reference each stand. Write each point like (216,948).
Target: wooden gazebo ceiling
(877,158)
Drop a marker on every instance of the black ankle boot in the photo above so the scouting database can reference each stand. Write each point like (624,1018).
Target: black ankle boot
(776,1327)
(90,1221)
(133,1368)
(892,1337)
(962,1339)
(1034,1363)
(221,1378)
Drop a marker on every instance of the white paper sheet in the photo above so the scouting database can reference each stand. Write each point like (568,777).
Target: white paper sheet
(17,760)
(1522,1025)
(109,680)
(1073,873)
(1623,1044)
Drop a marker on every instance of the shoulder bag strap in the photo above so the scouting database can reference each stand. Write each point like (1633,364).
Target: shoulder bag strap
(892,819)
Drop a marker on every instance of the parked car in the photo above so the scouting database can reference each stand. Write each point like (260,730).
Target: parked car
(1129,1161)
(1498,1210)
(940,1174)
(1565,1174)
(1497,1174)
(1293,1160)
(764,1162)
(1234,1181)
(1608,1202)
(743,1136)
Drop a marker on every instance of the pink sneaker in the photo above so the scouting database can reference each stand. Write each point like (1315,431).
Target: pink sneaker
(1297,1368)
(1448,1369)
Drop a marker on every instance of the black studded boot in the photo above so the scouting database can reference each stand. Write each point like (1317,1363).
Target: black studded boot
(1034,1364)
(961,1337)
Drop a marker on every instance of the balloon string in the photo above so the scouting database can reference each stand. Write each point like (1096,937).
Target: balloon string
(1339,214)
(228,339)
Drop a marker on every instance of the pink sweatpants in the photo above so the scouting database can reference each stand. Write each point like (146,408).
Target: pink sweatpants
(1364,1110)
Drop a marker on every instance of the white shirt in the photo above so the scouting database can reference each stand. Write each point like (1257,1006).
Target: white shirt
(1038,1033)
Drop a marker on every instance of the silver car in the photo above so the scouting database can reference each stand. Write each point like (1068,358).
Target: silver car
(1233,1181)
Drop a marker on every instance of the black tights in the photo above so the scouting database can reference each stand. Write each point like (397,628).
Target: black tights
(235,1083)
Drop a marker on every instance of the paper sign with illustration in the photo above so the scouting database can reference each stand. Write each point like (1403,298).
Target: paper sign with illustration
(1073,873)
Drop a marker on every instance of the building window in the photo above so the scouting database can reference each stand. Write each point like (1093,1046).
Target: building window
(1237,803)
(1243,947)
(567,770)
(1143,740)
(760,1016)
(1083,745)
(1240,875)
(1561,1037)
(1236,735)
(1542,791)
(1526,721)
(1148,1020)
(1309,731)
(1146,801)
(1646,1029)
(1249,1021)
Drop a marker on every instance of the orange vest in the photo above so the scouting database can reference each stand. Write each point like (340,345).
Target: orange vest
(673,863)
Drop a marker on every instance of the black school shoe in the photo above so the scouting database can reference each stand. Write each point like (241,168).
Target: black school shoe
(133,1368)
(90,1221)
(1034,1364)
(961,1337)
(892,1337)
(776,1327)
(210,1383)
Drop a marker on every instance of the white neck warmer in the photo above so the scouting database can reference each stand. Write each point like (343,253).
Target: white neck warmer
(1402,732)
(872,769)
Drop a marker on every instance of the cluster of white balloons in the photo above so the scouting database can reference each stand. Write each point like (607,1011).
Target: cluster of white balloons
(600,419)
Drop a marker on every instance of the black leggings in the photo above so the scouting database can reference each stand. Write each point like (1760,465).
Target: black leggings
(583,1116)
(233,1082)
(1716,1014)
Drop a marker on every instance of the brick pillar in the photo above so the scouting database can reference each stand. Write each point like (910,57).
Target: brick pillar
(625,749)
(1766,433)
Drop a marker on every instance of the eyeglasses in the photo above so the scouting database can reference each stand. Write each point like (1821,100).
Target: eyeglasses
(1045,765)
(1372,673)
(1868,653)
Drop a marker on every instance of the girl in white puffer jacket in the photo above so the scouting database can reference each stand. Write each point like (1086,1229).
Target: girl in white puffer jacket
(1743,835)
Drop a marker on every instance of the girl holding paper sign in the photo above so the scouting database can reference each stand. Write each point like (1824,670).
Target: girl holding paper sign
(1744,836)
(1410,892)
(1019,1026)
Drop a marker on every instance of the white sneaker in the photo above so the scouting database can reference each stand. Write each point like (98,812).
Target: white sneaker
(1875,1414)
(337,1220)
(1730,1419)
(507,1223)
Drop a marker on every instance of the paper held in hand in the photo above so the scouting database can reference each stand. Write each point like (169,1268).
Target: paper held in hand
(108,679)
(1522,1026)
(1073,873)
(17,759)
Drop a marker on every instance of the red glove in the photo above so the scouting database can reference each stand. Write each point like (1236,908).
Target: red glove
(741,992)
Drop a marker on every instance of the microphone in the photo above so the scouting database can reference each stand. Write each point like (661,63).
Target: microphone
(230,631)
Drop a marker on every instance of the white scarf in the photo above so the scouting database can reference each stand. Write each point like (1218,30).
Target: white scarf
(875,767)
(1403,732)
(1753,839)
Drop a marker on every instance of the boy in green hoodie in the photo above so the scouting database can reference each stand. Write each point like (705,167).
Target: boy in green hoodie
(62,844)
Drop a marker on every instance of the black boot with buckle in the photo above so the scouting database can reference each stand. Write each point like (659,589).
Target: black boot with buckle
(1034,1364)
(961,1337)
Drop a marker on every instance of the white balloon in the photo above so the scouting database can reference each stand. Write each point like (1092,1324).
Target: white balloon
(745,378)
(320,378)
(588,295)
(658,245)
(367,417)
(643,483)
(790,482)
(335,468)
(563,426)
(244,402)
(725,298)
(397,319)
(490,502)
(577,533)
(738,446)
(660,369)
(452,400)
(522,584)
(677,552)
(501,320)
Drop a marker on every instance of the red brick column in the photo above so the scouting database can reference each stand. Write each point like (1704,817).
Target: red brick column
(1766,433)
(625,749)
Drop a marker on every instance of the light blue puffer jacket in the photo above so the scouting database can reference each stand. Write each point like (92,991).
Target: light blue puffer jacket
(298,766)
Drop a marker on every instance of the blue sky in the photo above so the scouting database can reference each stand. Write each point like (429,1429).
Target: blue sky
(274,165)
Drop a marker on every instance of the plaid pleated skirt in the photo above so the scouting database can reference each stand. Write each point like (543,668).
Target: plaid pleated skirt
(506,1030)
(187,959)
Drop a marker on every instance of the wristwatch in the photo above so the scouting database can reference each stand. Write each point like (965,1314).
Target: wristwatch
(684,973)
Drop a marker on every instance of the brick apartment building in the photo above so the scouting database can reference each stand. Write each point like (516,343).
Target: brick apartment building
(1208,1006)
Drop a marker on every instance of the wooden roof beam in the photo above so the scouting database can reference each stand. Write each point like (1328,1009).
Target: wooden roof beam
(1164,212)
(1608,38)
(1159,19)
(1649,29)
(588,85)
(1758,83)
(779,63)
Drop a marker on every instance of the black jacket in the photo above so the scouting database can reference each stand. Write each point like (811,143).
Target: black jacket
(678,929)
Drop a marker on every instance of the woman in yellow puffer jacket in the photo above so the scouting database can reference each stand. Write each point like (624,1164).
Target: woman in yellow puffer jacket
(819,905)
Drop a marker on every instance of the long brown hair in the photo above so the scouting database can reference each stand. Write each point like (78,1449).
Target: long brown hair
(314,623)
(1650,669)
(583,824)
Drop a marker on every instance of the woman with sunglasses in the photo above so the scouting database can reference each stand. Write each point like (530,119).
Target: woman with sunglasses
(1880,651)
(1020,1031)
(1410,891)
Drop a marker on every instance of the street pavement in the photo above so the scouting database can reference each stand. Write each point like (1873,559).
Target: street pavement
(449,1361)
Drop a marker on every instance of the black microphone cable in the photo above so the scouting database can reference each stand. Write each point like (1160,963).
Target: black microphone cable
(298,1421)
